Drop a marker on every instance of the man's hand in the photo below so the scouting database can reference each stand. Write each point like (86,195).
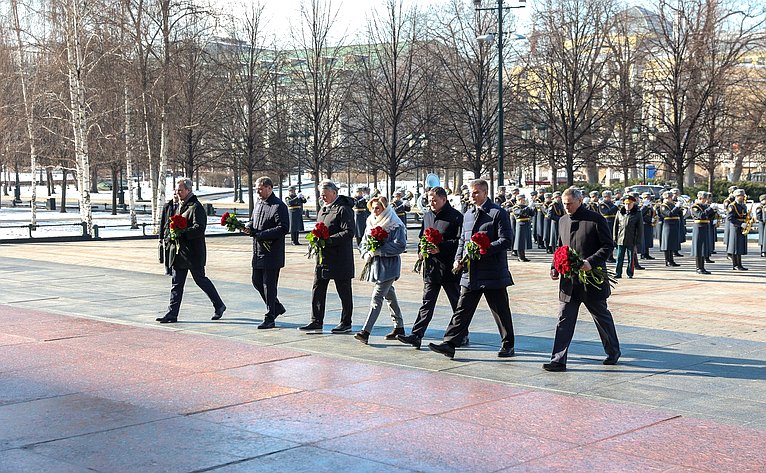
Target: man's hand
(246,230)
(457,267)
(433,250)
(554,275)
(586,265)
(743,225)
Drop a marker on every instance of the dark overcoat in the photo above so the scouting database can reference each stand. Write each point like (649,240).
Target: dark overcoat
(449,222)
(522,239)
(671,222)
(360,216)
(702,215)
(628,228)
(587,233)
(166,246)
(491,270)
(647,219)
(737,244)
(268,226)
(338,261)
(192,252)
(555,212)
(295,209)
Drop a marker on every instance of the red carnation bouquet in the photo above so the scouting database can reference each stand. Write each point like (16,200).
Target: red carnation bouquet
(317,240)
(231,222)
(431,239)
(568,263)
(474,249)
(178,223)
(374,241)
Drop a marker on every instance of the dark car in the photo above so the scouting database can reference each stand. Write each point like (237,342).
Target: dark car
(641,188)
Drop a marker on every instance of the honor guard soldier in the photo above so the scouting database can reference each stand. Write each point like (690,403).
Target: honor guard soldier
(628,230)
(617,197)
(522,240)
(295,210)
(738,224)
(509,205)
(727,201)
(702,214)
(555,212)
(360,212)
(401,206)
(593,203)
(639,241)
(713,233)
(514,195)
(682,221)
(671,218)
(648,217)
(608,210)
(760,217)
(538,221)
(547,200)
(500,198)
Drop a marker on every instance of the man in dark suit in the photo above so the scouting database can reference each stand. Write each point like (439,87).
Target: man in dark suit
(268,227)
(189,253)
(338,261)
(295,210)
(587,233)
(437,268)
(488,275)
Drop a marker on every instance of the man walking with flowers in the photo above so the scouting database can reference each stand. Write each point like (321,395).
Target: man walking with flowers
(186,236)
(580,267)
(268,226)
(482,259)
(334,250)
(439,238)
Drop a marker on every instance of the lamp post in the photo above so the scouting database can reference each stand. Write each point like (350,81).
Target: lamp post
(500,9)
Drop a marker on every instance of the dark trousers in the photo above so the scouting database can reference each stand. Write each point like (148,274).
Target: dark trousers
(265,282)
(294,237)
(497,299)
(623,251)
(430,296)
(319,296)
(177,289)
(568,318)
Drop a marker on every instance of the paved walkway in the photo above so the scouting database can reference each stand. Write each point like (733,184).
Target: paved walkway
(88,382)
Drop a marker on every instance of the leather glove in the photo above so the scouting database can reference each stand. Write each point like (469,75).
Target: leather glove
(743,225)
(367,257)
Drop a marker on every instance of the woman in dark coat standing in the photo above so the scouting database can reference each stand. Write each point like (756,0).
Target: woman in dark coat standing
(337,261)
(628,230)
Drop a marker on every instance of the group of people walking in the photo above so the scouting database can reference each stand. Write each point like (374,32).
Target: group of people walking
(468,261)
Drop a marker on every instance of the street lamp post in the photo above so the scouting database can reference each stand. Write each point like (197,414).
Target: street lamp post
(500,9)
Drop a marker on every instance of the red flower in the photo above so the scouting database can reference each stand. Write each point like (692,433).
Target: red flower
(178,222)
(481,239)
(321,231)
(433,236)
(379,233)
(561,261)
(224,217)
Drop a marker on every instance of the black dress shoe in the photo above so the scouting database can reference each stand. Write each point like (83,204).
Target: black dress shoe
(394,333)
(166,320)
(612,359)
(640,268)
(267,323)
(740,268)
(363,336)
(618,276)
(555,367)
(219,312)
(649,257)
(506,352)
(678,254)
(280,311)
(341,328)
(708,260)
(411,339)
(312,327)
(444,348)
(703,271)
(524,260)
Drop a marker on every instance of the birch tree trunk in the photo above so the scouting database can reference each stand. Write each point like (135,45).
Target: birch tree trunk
(129,164)
(28,111)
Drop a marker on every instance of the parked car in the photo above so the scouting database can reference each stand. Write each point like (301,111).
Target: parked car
(641,188)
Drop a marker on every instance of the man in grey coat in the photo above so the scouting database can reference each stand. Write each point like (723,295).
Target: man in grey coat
(338,259)
(488,275)
(268,227)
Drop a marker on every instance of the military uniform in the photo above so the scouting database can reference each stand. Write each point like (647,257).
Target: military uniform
(669,239)
(760,217)
(726,231)
(539,221)
(555,212)
(360,217)
(522,240)
(647,218)
(609,211)
(701,214)
(737,246)
(295,210)
(401,207)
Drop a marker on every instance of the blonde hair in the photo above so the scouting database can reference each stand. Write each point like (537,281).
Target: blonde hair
(381,200)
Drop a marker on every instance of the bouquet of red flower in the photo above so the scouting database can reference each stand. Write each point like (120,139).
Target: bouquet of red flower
(231,222)
(479,245)
(431,239)
(374,241)
(317,240)
(178,224)
(568,263)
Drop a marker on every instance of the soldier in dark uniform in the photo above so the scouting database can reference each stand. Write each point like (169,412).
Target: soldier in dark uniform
(547,221)
(702,214)
(514,196)
(617,197)
(555,212)
(760,217)
(523,235)
(647,216)
(537,220)
(713,233)
(500,198)
(737,215)
(508,206)
(360,213)
(465,201)
(593,202)
(608,210)
(671,217)
(729,199)
(401,206)
(682,221)
(295,209)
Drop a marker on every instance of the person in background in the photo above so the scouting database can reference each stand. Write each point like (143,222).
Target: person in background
(295,208)
(360,212)
(627,231)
